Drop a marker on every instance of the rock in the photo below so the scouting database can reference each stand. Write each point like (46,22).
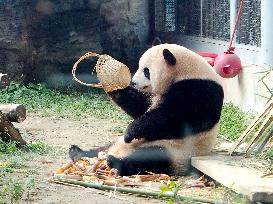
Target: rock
(41,39)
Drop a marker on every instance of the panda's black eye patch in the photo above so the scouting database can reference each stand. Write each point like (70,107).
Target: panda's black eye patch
(146,72)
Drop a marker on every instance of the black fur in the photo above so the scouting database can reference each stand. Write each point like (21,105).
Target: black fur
(132,101)
(146,72)
(76,153)
(5,137)
(169,57)
(189,107)
(152,159)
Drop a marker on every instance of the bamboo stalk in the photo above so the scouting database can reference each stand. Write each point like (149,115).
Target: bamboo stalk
(268,146)
(268,133)
(66,184)
(139,191)
(264,125)
(257,144)
(252,125)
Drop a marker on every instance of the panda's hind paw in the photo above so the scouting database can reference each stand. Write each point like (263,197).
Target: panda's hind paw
(115,163)
(75,153)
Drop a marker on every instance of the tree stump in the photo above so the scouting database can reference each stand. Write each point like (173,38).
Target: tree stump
(4,81)
(7,129)
(14,112)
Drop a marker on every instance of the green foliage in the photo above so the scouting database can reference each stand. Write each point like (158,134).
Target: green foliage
(12,186)
(269,154)
(233,121)
(119,129)
(8,166)
(35,147)
(8,148)
(62,103)
(39,147)
(170,187)
(29,186)
(72,102)
(12,191)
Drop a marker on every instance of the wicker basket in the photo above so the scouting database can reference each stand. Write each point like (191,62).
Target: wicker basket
(112,74)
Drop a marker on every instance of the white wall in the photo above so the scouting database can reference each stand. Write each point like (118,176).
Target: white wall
(244,90)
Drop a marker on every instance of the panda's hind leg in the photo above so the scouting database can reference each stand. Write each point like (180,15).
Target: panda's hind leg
(75,152)
(145,159)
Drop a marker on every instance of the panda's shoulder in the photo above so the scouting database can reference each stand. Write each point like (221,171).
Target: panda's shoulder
(194,88)
(191,84)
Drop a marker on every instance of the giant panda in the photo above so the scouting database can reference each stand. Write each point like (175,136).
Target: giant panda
(175,99)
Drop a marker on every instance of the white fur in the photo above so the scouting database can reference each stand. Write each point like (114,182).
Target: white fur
(141,82)
(189,65)
(181,150)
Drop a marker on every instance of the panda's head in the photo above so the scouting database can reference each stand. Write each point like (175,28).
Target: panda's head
(156,70)
(163,64)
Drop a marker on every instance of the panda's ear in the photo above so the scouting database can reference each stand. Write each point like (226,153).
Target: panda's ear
(156,41)
(169,57)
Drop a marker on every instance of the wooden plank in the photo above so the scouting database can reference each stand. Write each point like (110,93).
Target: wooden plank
(242,180)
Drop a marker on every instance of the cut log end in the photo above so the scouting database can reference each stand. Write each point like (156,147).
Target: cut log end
(14,112)
(9,132)
(4,81)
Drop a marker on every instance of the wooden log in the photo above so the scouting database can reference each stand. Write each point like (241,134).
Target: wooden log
(14,112)
(7,128)
(4,81)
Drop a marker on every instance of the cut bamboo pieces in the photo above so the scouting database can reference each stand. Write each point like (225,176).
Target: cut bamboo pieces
(263,134)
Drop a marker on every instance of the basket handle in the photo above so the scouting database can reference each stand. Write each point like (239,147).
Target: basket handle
(74,69)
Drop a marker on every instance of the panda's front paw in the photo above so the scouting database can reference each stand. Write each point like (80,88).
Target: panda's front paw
(130,134)
(128,138)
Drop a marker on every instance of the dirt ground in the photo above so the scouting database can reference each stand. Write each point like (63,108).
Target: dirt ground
(61,133)
(87,133)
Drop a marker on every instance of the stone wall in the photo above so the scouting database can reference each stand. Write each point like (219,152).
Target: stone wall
(40,39)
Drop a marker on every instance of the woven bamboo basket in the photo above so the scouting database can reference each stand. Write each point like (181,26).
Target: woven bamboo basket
(112,74)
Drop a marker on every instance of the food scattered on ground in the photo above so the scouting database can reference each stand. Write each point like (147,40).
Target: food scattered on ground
(96,170)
